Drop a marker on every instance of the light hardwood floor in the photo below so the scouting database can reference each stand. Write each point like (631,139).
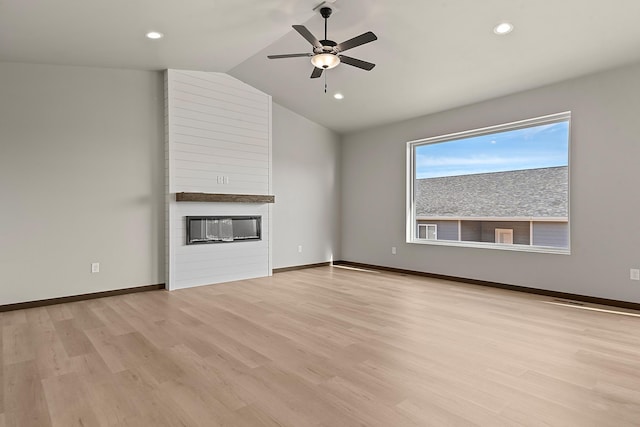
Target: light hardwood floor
(320,347)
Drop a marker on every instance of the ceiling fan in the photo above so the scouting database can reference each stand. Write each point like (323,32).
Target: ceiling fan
(327,54)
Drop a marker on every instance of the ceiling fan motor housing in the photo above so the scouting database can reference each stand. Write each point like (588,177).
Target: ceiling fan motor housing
(328,46)
(326,12)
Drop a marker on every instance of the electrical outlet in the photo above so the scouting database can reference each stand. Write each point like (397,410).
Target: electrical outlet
(299,249)
(393,250)
(634,274)
(95,267)
(226,179)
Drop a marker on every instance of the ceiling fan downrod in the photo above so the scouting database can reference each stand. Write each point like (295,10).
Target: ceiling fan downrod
(326,13)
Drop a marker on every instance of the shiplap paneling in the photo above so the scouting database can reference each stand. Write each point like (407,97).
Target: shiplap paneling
(217,127)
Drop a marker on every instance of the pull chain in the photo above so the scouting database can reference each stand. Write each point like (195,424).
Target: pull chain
(325,82)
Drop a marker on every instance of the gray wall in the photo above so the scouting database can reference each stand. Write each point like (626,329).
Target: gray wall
(81,180)
(471,231)
(521,231)
(306,183)
(551,234)
(604,179)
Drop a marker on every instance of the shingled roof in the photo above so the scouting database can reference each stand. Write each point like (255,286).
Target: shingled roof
(538,193)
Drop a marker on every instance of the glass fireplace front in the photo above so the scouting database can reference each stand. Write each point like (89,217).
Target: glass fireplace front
(222,229)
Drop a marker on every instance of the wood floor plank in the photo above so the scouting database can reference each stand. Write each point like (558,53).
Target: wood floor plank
(91,364)
(246,354)
(104,343)
(73,337)
(67,402)
(362,405)
(251,416)
(189,337)
(25,402)
(117,325)
(206,375)
(38,316)
(104,395)
(17,343)
(84,317)
(321,347)
(153,407)
(431,414)
(59,312)
(146,326)
(15,317)
(51,356)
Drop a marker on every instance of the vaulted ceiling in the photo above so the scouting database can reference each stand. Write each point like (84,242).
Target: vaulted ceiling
(431,55)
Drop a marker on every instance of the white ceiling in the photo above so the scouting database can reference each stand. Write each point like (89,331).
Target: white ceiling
(431,55)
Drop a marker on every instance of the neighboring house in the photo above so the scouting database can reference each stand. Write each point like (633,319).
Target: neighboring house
(524,207)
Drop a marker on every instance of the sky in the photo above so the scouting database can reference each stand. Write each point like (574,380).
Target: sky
(529,148)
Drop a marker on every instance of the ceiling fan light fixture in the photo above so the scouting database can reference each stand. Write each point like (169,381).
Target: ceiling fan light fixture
(325,61)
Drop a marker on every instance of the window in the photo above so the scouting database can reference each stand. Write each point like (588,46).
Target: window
(504,186)
(428,231)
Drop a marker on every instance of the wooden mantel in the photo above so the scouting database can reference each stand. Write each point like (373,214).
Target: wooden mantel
(224,198)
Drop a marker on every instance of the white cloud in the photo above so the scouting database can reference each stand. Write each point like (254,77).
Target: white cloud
(529,133)
(430,161)
(431,167)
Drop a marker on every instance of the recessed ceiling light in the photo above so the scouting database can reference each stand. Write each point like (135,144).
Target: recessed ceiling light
(503,28)
(154,35)
(338,96)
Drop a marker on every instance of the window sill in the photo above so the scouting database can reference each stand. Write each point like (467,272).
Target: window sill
(481,245)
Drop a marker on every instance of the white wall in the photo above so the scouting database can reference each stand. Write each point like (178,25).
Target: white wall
(605,175)
(81,180)
(217,127)
(306,182)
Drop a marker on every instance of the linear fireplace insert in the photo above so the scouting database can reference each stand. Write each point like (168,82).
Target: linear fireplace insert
(222,229)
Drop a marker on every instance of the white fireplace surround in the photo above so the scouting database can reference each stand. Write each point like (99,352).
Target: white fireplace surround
(218,140)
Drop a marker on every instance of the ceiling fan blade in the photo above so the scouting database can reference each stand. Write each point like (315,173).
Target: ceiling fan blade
(289,55)
(357,41)
(357,62)
(317,72)
(307,35)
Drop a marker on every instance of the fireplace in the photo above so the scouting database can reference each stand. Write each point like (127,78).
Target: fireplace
(222,229)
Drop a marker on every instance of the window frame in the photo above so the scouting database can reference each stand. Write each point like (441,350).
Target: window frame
(520,124)
(426,233)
